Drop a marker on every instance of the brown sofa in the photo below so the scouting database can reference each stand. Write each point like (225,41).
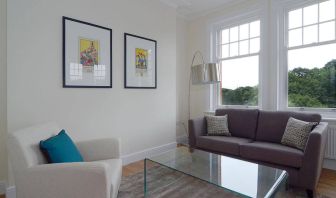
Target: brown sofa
(256,137)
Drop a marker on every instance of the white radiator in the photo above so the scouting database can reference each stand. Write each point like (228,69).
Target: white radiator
(330,152)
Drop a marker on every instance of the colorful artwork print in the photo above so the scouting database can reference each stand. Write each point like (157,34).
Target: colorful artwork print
(89,53)
(141,60)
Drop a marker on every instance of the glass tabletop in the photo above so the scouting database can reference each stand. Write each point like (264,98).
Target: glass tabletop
(241,177)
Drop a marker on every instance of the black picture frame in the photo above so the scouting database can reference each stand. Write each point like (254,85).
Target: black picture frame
(125,62)
(65,85)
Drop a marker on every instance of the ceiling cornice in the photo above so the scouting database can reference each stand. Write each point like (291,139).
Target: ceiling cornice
(217,9)
(169,3)
(184,4)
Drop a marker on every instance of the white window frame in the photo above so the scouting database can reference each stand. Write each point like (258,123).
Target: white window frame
(232,21)
(282,51)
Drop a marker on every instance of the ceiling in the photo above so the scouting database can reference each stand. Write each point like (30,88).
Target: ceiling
(193,8)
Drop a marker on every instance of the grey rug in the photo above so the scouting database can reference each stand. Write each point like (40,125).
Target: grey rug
(165,183)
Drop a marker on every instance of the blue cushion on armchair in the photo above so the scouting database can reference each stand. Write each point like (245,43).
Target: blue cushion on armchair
(60,149)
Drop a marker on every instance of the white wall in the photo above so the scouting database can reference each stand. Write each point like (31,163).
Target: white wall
(198,39)
(182,78)
(3,89)
(141,118)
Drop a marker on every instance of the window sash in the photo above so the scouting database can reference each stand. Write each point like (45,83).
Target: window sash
(318,23)
(218,44)
(284,99)
(237,57)
(248,15)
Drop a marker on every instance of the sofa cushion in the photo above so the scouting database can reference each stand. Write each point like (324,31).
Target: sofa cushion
(242,122)
(222,144)
(297,133)
(60,149)
(272,124)
(272,153)
(217,125)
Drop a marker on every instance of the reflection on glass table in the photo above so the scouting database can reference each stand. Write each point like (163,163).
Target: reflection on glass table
(238,177)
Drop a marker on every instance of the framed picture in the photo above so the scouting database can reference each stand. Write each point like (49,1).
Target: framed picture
(140,62)
(87,55)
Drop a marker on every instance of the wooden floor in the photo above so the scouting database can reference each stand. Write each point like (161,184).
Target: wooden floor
(326,186)
(327,183)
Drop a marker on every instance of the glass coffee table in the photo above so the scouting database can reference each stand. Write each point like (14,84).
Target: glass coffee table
(237,177)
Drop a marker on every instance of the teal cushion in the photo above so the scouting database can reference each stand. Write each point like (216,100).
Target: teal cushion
(60,149)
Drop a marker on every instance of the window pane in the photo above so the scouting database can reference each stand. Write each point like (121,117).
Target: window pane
(327,31)
(327,10)
(254,29)
(254,45)
(310,34)
(234,34)
(295,37)
(225,51)
(240,81)
(234,49)
(310,14)
(295,18)
(243,32)
(243,47)
(225,36)
(311,80)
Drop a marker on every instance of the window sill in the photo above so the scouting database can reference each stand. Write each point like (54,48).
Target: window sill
(327,116)
(237,107)
(328,119)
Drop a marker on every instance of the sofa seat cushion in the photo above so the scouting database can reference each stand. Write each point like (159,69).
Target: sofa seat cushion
(221,144)
(272,153)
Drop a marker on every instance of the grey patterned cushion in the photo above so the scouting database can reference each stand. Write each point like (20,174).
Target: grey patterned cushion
(217,125)
(297,133)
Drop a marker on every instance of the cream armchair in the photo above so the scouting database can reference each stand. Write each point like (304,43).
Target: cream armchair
(98,177)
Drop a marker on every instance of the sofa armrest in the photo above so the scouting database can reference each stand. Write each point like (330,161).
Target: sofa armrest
(99,149)
(75,180)
(313,156)
(197,127)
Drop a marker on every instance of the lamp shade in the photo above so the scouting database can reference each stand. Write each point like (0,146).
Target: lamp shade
(205,74)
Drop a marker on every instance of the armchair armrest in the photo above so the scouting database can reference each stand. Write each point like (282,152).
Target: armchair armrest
(100,149)
(313,156)
(197,127)
(67,180)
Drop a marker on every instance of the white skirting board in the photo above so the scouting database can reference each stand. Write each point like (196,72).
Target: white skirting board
(140,155)
(3,186)
(182,139)
(329,164)
(10,192)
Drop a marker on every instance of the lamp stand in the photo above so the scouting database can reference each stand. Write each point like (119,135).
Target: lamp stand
(201,74)
(185,125)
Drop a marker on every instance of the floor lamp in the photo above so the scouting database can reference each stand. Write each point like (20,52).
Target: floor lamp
(201,74)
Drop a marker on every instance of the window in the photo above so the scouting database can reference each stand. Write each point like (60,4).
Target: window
(311,57)
(237,50)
